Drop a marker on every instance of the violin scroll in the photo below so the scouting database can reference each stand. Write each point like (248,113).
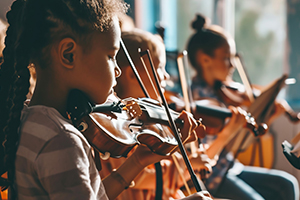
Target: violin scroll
(258,130)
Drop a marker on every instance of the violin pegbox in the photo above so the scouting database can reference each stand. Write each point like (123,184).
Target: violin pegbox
(133,109)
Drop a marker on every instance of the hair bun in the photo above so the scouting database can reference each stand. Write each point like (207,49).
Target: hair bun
(199,23)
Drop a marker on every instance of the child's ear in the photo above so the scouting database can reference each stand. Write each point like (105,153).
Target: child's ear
(203,59)
(67,47)
(128,73)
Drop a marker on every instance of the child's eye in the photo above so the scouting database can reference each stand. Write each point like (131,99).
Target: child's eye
(112,57)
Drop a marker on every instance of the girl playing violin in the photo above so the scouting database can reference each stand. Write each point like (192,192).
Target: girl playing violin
(73,45)
(210,51)
(127,86)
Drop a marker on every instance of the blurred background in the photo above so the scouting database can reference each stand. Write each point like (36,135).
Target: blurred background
(266,34)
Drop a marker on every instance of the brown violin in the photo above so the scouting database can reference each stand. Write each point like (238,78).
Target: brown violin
(124,124)
(234,94)
(213,115)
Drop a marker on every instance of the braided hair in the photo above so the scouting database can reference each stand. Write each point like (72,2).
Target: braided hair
(34,25)
(205,39)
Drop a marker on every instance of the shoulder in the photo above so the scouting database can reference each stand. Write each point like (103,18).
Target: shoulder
(53,155)
(43,127)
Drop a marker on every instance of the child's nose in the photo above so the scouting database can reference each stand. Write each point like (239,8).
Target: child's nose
(118,71)
(166,76)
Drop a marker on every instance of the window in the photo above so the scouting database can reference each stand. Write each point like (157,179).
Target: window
(258,26)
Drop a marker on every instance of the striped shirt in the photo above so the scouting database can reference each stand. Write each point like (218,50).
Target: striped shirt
(54,160)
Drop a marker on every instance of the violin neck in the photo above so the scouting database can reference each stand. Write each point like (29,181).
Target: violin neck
(222,113)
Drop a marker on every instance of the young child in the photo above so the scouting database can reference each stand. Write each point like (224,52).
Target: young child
(210,52)
(145,184)
(73,45)
(128,87)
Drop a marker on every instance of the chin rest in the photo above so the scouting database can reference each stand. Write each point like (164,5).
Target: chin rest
(292,158)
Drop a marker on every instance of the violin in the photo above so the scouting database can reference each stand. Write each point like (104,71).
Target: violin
(213,115)
(263,105)
(124,124)
(233,93)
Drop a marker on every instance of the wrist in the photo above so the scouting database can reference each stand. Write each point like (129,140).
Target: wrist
(125,184)
(137,161)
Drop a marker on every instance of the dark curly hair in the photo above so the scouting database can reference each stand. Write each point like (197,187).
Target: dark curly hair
(34,25)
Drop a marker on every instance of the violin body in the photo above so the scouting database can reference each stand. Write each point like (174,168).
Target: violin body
(232,93)
(122,126)
(107,137)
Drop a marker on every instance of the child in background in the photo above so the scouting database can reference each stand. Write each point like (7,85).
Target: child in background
(73,45)
(210,52)
(128,87)
(145,185)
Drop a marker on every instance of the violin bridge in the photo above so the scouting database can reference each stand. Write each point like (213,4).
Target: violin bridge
(133,108)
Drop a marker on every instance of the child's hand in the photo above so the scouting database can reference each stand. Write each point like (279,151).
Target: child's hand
(187,133)
(200,160)
(236,122)
(191,128)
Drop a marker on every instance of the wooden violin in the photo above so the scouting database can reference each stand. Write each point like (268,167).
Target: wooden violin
(236,94)
(213,115)
(124,124)
(233,93)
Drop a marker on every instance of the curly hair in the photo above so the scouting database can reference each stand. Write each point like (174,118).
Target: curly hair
(34,25)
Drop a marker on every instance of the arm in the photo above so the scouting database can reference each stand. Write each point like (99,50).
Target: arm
(141,157)
(236,122)
(65,169)
(122,177)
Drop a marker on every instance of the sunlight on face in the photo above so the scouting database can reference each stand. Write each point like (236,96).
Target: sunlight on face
(99,67)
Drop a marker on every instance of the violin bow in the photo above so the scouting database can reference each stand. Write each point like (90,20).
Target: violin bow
(172,124)
(187,97)
(248,88)
(158,168)
(173,156)
(245,79)
(134,69)
(249,92)
(238,64)
(186,92)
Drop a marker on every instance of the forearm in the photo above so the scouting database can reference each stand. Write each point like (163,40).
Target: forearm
(146,179)
(217,146)
(120,179)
